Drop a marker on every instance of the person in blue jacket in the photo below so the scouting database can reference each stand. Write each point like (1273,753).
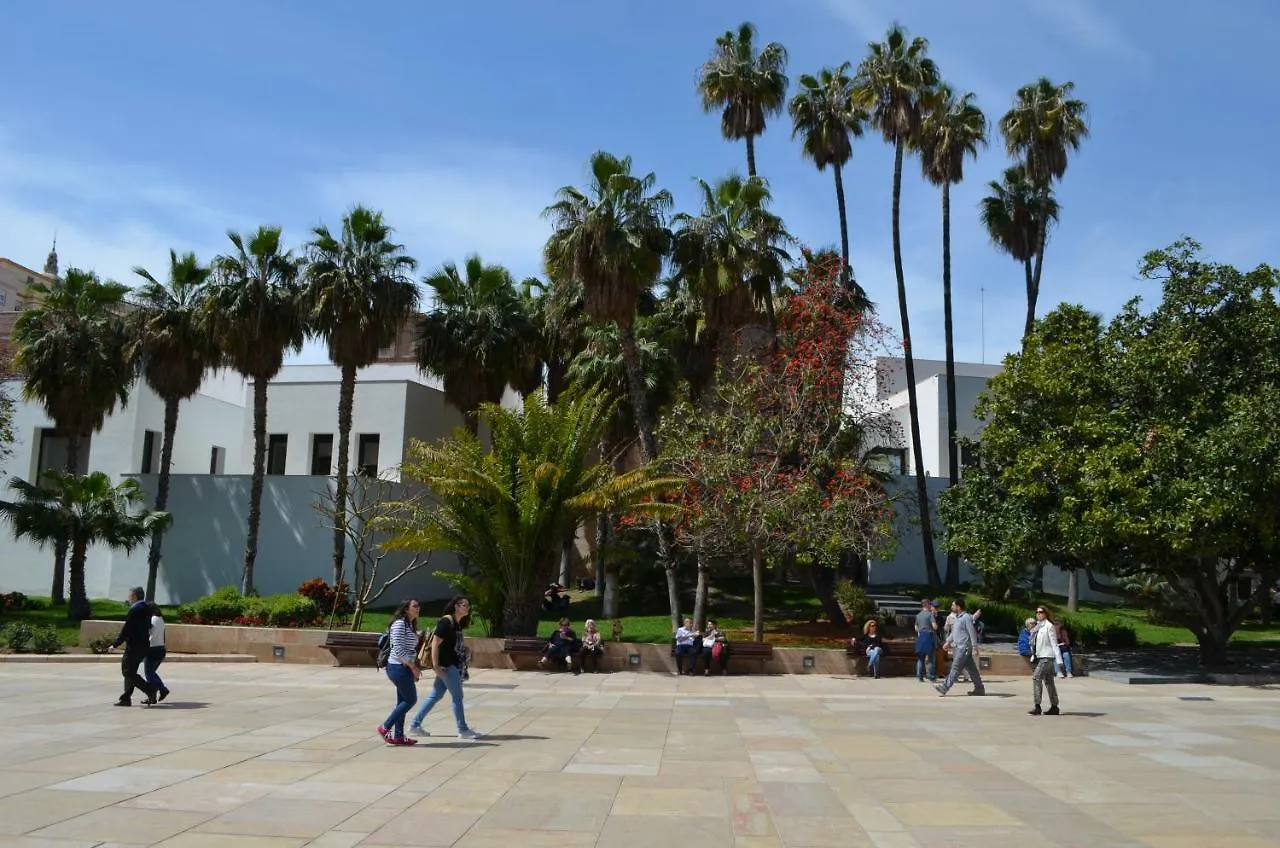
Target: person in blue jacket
(1024,638)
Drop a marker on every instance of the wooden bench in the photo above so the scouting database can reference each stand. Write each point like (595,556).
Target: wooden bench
(898,659)
(757,652)
(351,649)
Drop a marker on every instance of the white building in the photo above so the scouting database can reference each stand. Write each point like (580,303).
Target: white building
(212,464)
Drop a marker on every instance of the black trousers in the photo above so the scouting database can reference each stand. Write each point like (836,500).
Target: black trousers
(129,664)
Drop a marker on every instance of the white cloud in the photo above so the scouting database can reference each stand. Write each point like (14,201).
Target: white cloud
(1089,27)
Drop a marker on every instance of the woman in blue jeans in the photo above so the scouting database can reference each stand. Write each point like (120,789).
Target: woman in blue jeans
(402,669)
(447,668)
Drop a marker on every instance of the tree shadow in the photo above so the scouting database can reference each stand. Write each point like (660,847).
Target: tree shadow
(470,685)
(1082,714)
(180,705)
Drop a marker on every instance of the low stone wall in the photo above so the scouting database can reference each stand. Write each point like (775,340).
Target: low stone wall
(272,644)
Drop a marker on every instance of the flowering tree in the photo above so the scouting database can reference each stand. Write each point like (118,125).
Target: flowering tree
(773,460)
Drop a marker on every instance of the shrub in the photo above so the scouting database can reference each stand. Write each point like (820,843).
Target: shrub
(227,606)
(219,608)
(1119,636)
(291,610)
(999,617)
(854,601)
(101,645)
(18,637)
(16,601)
(1085,636)
(46,641)
(324,596)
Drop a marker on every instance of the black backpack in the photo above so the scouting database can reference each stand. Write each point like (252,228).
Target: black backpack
(384,650)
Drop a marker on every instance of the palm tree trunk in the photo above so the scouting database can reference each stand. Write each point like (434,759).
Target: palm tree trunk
(700,593)
(757,590)
(346,401)
(1031,298)
(1033,282)
(78,608)
(953,448)
(751,156)
(639,395)
(57,592)
(566,558)
(255,487)
(913,404)
(162,493)
(847,273)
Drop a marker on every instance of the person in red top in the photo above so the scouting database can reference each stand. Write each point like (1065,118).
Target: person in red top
(1064,644)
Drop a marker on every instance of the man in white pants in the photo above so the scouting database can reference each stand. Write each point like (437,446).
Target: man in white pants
(1045,657)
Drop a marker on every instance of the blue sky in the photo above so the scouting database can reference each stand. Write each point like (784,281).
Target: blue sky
(135,126)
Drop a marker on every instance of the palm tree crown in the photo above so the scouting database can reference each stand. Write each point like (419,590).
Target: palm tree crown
(894,82)
(953,129)
(1043,127)
(1015,211)
(170,327)
(825,117)
(747,86)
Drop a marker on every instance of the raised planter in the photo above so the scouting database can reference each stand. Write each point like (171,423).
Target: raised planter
(266,644)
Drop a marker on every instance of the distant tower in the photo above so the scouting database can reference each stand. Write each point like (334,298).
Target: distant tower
(51,263)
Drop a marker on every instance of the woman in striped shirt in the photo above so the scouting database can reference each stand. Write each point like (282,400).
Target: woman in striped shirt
(402,668)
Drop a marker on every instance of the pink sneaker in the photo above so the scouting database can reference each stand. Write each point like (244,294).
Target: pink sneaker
(401,740)
(383,733)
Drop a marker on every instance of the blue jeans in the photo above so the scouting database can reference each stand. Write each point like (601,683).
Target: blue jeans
(452,682)
(406,697)
(931,660)
(155,656)
(1066,662)
(873,661)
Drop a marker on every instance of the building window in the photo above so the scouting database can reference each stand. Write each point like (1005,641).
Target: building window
(387,352)
(367,455)
(150,452)
(277,447)
(4,298)
(888,460)
(322,454)
(217,460)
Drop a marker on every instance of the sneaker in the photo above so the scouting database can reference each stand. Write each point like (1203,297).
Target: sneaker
(977,692)
(419,731)
(469,734)
(123,702)
(942,690)
(1053,711)
(1035,710)
(401,740)
(164,693)
(383,733)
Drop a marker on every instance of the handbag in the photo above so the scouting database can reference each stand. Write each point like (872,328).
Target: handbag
(424,650)
(717,651)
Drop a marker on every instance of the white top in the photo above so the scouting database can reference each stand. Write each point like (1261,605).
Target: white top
(1044,642)
(157,631)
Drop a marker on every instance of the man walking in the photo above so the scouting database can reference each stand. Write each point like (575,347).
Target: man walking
(135,635)
(1046,655)
(926,643)
(963,641)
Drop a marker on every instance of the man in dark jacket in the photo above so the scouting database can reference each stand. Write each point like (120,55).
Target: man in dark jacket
(135,635)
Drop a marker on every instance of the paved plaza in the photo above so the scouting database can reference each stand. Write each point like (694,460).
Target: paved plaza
(285,755)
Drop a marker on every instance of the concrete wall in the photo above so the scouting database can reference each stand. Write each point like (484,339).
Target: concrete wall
(907,564)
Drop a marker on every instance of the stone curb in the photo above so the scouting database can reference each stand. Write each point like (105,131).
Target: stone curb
(115,658)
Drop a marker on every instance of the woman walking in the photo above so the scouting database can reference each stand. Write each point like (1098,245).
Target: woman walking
(1045,656)
(445,665)
(156,653)
(402,670)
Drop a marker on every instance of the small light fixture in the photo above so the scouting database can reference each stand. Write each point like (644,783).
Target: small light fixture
(984,663)
(633,659)
(807,662)
(277,651)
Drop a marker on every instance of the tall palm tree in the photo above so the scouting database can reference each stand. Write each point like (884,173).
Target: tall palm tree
(476,336)
(613,237)
(1044,126)
(170,333)
(733,255)
(826,117)
(894,83)
(257,315)
(1018,216)
(953,130)
(81,510)
(556,309)
(74,357)
(747,87)
(358,297)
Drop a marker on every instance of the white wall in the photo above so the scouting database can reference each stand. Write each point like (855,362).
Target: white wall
(907,564)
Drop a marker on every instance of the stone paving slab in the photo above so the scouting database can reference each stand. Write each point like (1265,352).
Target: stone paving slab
(285,755)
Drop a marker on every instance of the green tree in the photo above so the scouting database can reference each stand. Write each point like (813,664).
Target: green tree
(1044,126)
(358,298)
(257,315)
(746,87)
(72,350)
(476,335)
(825,116)
(895,83)
(952,131)
(80,510)
(1017,215)
(169,329)
(508,508)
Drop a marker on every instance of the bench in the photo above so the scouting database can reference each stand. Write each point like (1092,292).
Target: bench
(757,652)
(351,649)
(898,660)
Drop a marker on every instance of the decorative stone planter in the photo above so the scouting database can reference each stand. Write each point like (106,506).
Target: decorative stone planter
(265,644)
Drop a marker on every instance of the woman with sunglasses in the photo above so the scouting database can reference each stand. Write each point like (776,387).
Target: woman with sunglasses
(1045,657)
(446,665)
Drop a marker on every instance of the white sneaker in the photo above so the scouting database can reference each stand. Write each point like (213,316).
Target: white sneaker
(418,731)
(469,734)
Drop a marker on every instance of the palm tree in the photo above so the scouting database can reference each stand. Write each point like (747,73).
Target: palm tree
(257,315)
(613,237)
(73,355)
(894,83)
(358,297)
(556,309)
(826,117)
(1045,125)
(80,510)
(506,509)
(171,338)
(1018,216)
(732,254)
(476,336)
(953,129)
(746,86)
